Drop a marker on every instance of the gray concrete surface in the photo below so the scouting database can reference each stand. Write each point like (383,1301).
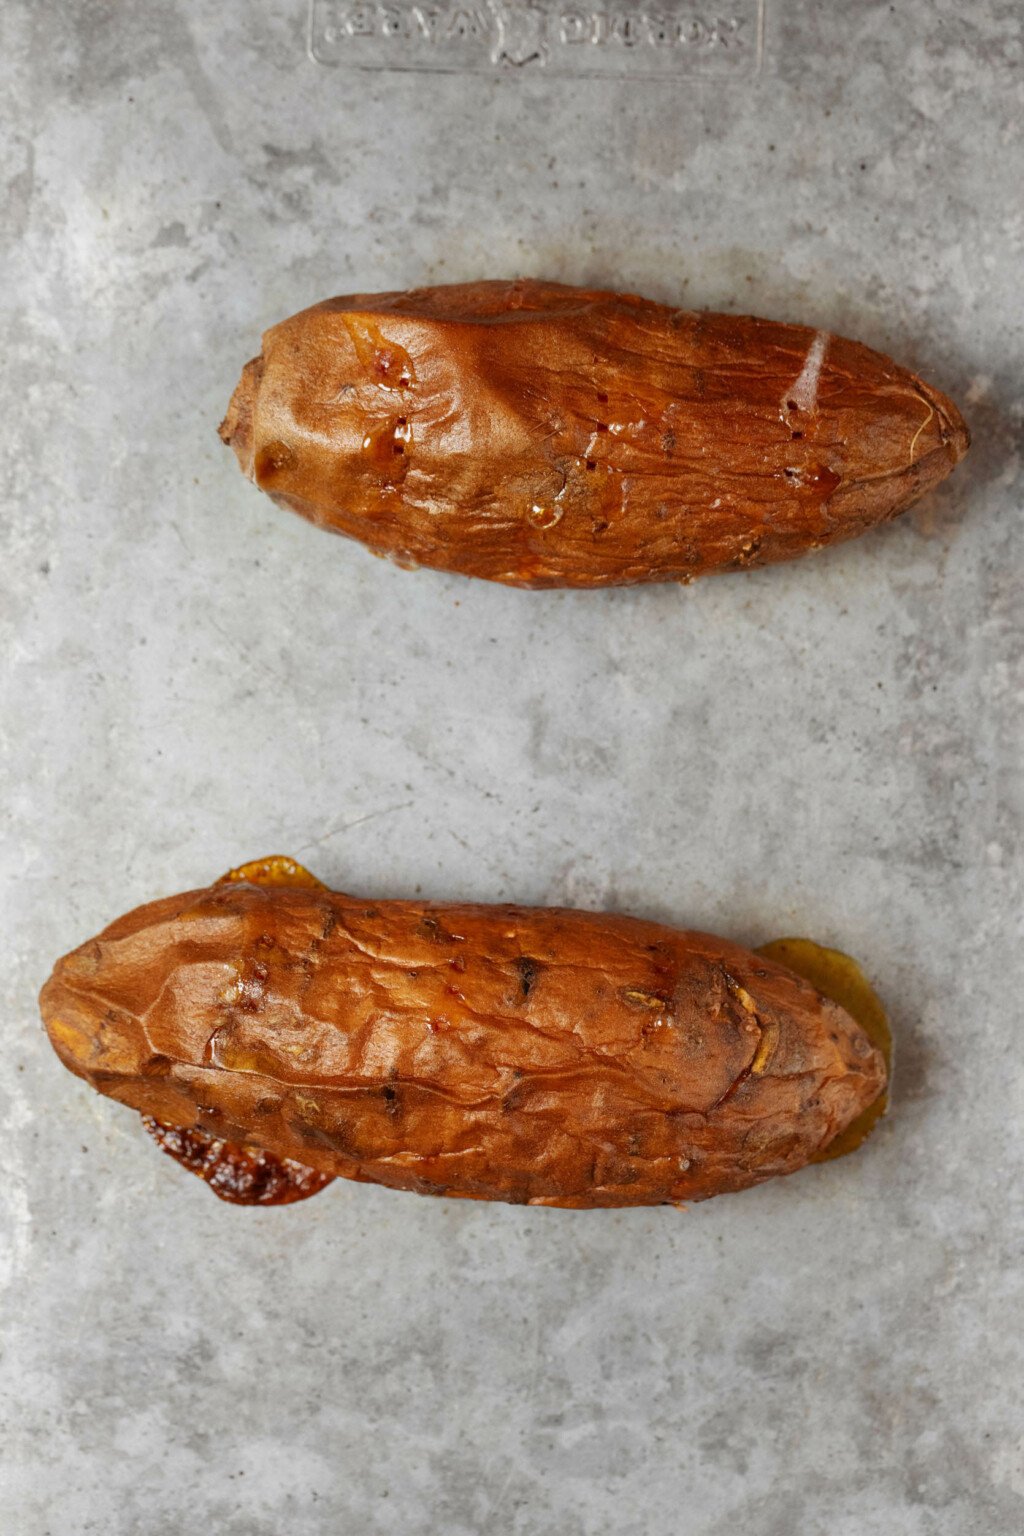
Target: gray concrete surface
(192,678)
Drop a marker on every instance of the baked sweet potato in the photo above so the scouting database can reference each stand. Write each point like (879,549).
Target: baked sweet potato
(278,1034)
(547,436)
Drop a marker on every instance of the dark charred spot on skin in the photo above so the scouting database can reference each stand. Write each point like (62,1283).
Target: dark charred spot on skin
(602,399)
(514,1099)
(528,970)
(392,1106)
(599,525)
(591,463)
(661,962)
(457,963)
(371,912)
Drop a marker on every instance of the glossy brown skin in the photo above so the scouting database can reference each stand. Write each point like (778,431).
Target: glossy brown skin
(547,436)
(540,1056)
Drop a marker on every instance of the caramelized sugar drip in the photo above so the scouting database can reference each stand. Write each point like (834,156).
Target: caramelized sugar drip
(841,978)
(275,870)
(237,1174)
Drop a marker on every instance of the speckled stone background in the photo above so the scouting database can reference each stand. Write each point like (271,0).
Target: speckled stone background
(192,677)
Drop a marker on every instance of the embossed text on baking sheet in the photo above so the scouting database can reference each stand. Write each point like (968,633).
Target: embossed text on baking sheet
(666,39)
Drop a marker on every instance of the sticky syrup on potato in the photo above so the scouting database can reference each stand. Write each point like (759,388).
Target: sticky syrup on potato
(841,978)
(239,1175)
(275,870)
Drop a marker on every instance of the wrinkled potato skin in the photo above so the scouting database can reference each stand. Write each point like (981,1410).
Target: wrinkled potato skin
(500,1053)
(547,436)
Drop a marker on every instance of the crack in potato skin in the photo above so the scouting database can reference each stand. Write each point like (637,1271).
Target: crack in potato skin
(537,1056)
(547,436)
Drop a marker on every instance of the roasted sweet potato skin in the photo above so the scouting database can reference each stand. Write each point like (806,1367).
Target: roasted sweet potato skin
(536,1056)
(547,436)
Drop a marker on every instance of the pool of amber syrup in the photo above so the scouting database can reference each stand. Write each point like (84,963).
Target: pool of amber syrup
(841,978)
(275,870)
